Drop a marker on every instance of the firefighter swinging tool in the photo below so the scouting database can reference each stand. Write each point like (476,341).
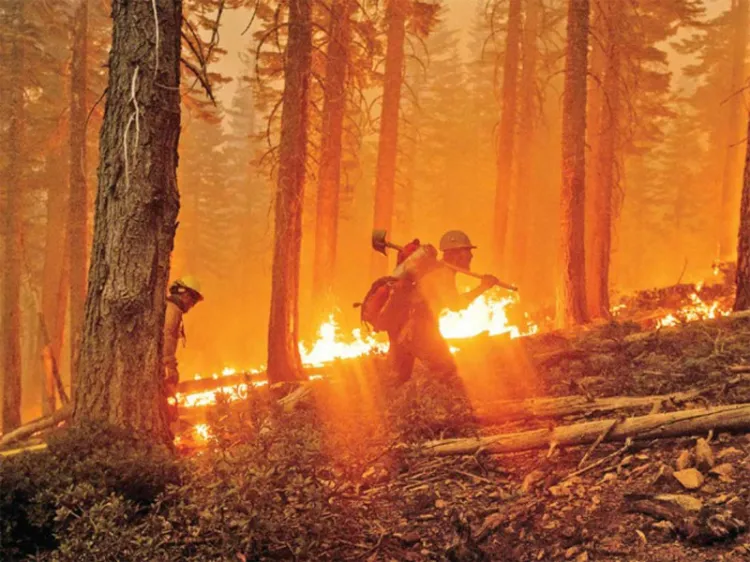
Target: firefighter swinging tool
(380,243)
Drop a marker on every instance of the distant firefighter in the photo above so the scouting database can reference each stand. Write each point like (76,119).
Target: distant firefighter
(184,294)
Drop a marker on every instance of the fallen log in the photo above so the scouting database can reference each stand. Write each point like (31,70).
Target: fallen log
(510,410)
(708,525)
(36,425)
(672,424)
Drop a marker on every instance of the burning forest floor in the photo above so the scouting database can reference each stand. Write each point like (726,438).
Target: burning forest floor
(645,499)
(609,443)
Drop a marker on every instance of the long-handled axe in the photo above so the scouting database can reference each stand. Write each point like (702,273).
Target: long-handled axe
(380,243)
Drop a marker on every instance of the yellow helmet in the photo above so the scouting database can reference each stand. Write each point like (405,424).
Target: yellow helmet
(189,283)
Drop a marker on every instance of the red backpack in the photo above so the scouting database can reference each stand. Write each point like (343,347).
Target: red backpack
(383,308)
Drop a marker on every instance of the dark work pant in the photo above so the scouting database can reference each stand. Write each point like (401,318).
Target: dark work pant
(420,338)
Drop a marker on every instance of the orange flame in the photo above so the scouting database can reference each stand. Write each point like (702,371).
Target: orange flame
(486,314)
(696,310)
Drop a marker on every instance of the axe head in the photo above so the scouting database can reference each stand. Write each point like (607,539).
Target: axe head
(379,243)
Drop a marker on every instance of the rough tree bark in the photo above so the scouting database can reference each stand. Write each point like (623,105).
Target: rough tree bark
(78,208)
(727,222)
(120,380)
(605,169)
(11,227)
(385,174)
(506,136)
(595,102)
(571,285)
(742,296)
(283,328)
(329,176)
(525,178)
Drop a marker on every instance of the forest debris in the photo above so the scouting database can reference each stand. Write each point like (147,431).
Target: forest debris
(686,502)
(531,480)
(690,478)
(724,471)
(729,452)
(672,424)
(508,410)
(685,460)
(706,526)
(704,455)
(36,426)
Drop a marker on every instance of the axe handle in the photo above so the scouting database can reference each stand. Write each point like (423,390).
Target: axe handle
(479,276)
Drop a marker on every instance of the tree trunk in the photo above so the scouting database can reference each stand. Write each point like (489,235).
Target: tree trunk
(525,178)
(284,361)
(334,106)
(11,228)
(78,208)
(595,105)
(385,175)
(605,170)
(653,426)
(571,298)
(742,297)
(54,288)
(727,220)
(120,379)
(506,136)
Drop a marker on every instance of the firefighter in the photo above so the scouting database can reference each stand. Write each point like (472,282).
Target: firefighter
(419,337)
(184,294)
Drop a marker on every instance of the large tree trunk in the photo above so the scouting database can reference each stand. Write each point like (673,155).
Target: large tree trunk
(742,299)
(120,379)
(11,228)
(385,174)
(595,104)
(571,286)
(727,219)
(525,185)
(506,136)
(334,106)
(78,208)
(605,170)
(653,426)
(283,328)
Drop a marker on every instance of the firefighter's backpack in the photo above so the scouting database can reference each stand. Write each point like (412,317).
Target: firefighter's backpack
(382,309)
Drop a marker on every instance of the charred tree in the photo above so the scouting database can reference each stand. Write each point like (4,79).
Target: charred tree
(506,134)
(742,298)
(385,174)
(284,361)
(329,176)
(77,210)
(727,223)
(571,286)
(525,179)
(120,380)
(11,225)
(600,195)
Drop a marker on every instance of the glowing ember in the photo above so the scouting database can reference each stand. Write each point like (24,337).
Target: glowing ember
(202,431)
(696,310)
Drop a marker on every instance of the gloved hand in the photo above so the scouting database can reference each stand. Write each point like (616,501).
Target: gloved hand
(430,250)
(488,281)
